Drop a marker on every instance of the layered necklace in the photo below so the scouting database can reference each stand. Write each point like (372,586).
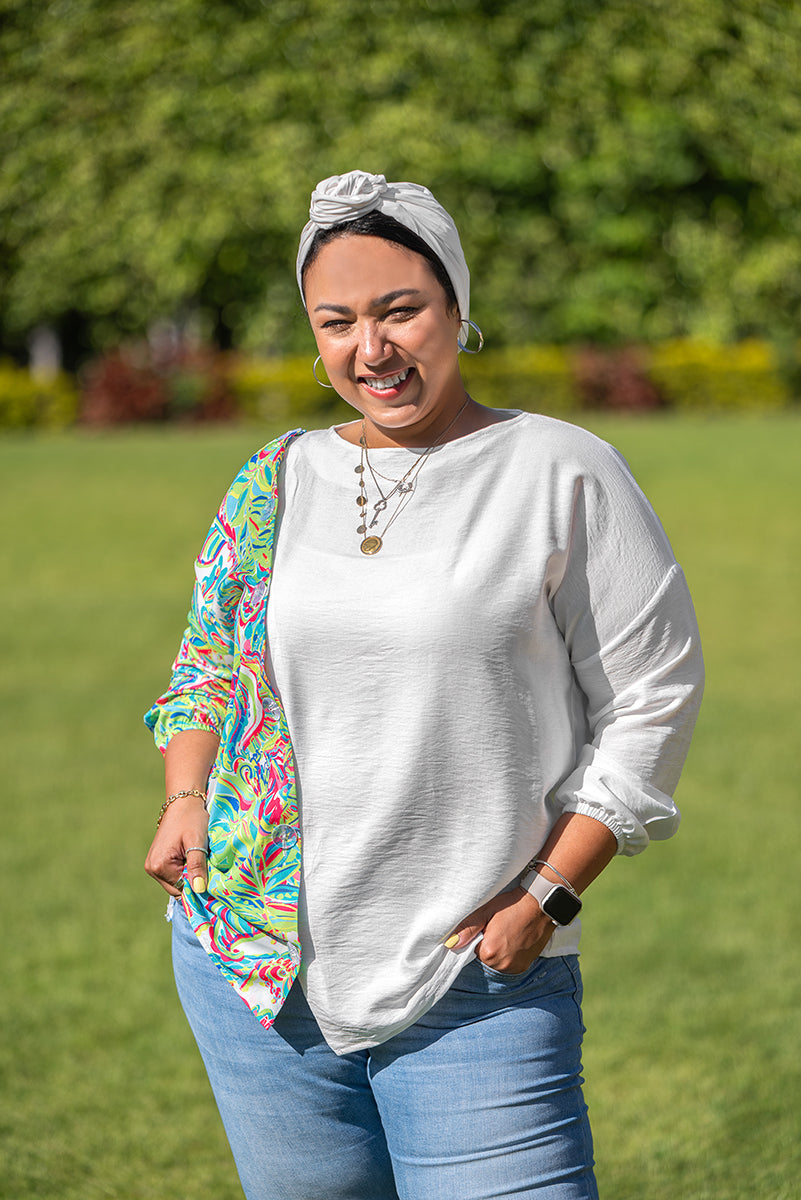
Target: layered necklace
(402,489)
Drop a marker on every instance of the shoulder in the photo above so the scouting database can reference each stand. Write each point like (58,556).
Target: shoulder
(256,478)
(264,464)
(269,457)
(549,441)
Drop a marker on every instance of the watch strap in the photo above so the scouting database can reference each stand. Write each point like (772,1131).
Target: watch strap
(541,888)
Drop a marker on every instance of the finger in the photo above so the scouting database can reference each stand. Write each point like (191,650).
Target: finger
(513,964)
(171,887)
(477,921)
(166,866)
(463,936)
(196,869)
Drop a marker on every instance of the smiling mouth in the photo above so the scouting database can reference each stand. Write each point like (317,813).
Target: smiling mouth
(384,385)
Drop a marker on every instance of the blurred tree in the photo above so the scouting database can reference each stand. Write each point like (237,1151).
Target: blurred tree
(618,170)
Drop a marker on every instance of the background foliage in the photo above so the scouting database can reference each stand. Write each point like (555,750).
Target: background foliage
(138,382)
(619,171)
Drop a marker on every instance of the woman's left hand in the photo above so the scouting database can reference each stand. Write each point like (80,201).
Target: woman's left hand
(515,929)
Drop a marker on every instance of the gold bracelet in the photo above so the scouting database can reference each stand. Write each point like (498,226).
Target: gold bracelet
(179,796)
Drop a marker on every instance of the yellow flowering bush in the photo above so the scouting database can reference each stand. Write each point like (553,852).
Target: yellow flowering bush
(27,401)
(695,374)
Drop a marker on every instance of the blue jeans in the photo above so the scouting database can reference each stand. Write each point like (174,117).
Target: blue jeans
(479,1098)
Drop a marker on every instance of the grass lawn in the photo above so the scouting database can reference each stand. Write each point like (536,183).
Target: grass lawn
(692,952)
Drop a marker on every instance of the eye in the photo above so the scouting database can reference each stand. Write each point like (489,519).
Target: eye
(335,324)
(402,312)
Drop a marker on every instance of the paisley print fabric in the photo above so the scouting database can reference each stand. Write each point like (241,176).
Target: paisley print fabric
(247,919)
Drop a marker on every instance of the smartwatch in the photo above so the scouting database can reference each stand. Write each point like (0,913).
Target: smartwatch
(558,902)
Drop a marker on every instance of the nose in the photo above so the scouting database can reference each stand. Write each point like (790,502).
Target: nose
(373,345)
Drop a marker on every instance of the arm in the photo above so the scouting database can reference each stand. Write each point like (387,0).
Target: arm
(515,929)
(199,688)
(188,759)
(627,620)
(626,616)
(187,720)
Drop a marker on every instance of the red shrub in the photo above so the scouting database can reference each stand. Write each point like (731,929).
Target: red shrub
(137,383)
(615,379)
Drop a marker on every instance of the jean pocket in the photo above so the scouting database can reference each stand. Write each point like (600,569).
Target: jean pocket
(509,976)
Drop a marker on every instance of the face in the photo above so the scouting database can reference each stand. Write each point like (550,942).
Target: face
(386,337)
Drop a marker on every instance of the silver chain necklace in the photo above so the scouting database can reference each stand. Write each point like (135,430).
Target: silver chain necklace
(403,488)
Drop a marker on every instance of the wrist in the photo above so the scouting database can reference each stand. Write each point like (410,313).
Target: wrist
(532,907)
(558,901)
(184,794)
(541,866)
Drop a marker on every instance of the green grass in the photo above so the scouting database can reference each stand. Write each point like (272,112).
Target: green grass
(692,953)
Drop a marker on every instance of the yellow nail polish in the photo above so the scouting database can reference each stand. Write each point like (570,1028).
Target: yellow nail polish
(198,884)
(452,941)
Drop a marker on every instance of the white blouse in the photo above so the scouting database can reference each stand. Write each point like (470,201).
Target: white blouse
(523,645)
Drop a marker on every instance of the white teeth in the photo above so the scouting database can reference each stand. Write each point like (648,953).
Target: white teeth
(379,385)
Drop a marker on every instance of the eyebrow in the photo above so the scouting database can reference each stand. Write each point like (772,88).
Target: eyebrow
(379,301)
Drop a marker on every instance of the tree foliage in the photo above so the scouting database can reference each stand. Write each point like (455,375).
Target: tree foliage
(618,170)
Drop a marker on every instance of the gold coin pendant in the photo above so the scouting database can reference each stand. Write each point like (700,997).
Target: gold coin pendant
(371,545)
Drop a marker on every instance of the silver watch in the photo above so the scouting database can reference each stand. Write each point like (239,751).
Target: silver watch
(558,902)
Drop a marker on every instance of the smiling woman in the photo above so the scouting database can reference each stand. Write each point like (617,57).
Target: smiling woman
(392,353)
(474,683)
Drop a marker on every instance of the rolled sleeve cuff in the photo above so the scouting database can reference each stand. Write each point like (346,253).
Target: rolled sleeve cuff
(633,810)
(166,722)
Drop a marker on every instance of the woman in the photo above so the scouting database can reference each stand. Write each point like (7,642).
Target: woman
(489,669)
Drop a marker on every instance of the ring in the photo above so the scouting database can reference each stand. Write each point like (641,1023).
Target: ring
(179,884)
(200,848)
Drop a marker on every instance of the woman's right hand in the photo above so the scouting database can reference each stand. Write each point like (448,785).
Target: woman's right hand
(182,835)
(177,849)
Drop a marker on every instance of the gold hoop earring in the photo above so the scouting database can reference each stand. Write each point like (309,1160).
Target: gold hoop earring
(463,344)
(314,372)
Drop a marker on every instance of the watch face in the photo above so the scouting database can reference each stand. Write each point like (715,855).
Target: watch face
(561,905)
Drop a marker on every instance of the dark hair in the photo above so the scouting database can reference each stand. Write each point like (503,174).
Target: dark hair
(378,224)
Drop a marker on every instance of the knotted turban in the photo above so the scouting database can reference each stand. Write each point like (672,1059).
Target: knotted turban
(345,197)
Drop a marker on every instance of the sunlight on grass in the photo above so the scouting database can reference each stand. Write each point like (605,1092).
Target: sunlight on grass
(691,953)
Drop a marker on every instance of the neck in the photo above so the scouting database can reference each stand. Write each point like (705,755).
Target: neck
(474,417)
(443,427)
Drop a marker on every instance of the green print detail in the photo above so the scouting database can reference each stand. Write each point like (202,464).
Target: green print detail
(247,919)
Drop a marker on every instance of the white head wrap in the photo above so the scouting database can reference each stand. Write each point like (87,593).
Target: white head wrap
(345,197)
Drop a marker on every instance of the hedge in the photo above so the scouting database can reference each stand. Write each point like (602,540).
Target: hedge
(692,374)
(29,402)
(133,384)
